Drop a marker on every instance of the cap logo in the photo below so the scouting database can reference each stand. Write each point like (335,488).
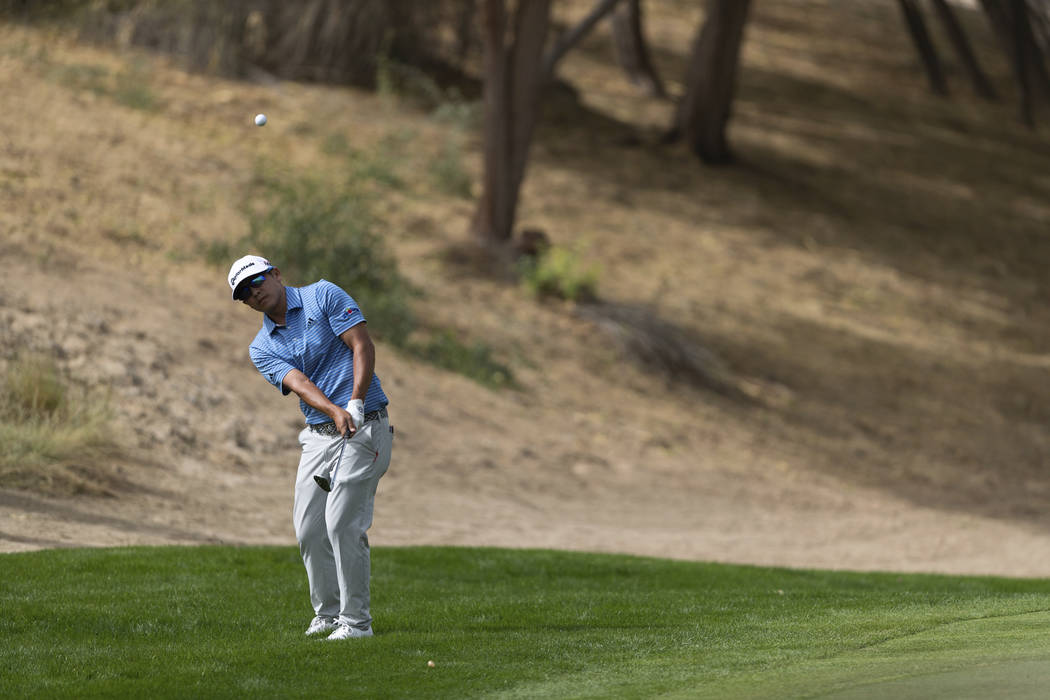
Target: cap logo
(241,269)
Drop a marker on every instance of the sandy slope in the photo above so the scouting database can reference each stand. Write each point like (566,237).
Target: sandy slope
(487,469)
(897,373)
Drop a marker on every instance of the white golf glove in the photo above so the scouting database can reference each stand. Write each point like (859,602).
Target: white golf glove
(356,409)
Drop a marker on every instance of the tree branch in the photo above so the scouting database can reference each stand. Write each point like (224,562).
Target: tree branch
(572,37)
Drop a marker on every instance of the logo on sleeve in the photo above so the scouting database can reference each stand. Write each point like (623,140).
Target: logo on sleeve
(350,311)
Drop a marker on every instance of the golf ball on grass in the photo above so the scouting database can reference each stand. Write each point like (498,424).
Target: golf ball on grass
(260,119)
(430,664)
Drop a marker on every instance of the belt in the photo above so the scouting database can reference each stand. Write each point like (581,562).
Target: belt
(329,427)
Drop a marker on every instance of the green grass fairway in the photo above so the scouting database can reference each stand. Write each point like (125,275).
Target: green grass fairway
(228,622)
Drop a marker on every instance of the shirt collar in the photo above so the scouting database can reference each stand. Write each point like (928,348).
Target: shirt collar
(293,300)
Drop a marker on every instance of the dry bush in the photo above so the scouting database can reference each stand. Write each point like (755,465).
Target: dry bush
(55,438)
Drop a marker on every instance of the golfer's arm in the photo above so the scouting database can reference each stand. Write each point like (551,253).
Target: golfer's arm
(358,340)
(307,391)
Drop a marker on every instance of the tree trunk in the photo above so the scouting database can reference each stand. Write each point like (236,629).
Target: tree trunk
(632,51)
(513,79)
(1010,20)
(703,113)
(1021,21)
(981,85)
(465,38)
(997,18)
(1018,16)
(927,52)
(1041,24)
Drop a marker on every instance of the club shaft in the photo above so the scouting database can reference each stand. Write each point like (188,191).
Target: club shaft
(335,467)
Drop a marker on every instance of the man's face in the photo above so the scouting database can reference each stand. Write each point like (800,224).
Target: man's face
(265,294)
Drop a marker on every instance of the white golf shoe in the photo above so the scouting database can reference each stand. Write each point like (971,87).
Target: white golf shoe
(345,631)
(321,624)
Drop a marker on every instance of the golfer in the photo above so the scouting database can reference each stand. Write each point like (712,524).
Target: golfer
(314,342)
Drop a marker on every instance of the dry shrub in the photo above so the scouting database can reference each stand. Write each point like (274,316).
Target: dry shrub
(55,437)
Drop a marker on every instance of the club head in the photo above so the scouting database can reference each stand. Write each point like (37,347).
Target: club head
(325,482)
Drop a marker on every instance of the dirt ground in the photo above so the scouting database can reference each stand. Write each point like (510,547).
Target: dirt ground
(871,276)
(489,469)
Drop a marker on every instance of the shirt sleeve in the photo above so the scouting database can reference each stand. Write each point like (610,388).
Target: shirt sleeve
(271,367)
(340,308)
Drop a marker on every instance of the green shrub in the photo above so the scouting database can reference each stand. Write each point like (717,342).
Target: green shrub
(457,111)
(218,253)
(373,166)
(475,361)
(313,231)
(80,76)
(335,144)
(397,79)
(130,87)
(446,105)
(447,172)
(558,272)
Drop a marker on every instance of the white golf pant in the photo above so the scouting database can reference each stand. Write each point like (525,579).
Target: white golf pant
(332,527)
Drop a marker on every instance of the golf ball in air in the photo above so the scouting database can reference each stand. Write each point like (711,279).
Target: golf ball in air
(430,664)
(260,119)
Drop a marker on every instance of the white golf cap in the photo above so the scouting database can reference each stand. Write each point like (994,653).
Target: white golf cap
(248,266)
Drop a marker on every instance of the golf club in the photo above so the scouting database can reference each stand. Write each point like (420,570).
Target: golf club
(326,482)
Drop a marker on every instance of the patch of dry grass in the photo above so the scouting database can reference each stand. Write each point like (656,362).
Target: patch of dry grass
(54,437)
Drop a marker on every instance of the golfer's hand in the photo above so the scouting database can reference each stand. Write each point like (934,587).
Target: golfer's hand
(348,420)
(344,423)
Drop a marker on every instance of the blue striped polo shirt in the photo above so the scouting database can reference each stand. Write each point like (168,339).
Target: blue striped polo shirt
(309,342)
